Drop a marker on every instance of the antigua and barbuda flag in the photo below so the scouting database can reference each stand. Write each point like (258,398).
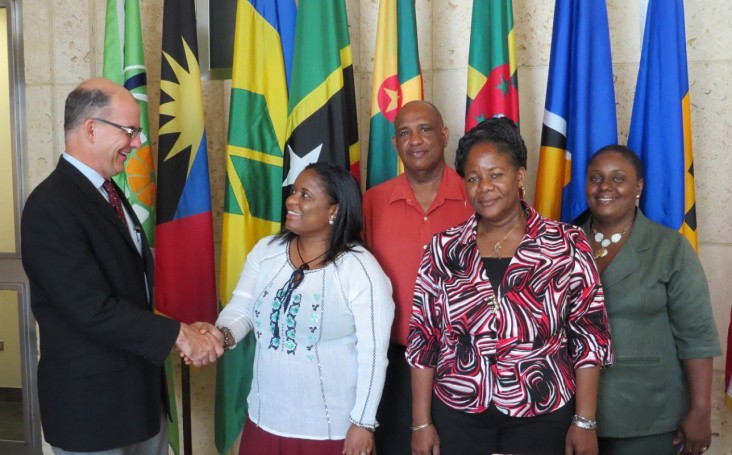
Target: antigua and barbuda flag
(185,283)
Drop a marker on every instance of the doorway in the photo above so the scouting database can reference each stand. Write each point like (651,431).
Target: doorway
(20,430)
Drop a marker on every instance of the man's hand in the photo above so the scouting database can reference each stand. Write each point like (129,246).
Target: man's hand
(199,347)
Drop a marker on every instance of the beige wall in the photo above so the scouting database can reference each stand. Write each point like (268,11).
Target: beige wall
(64,44)
(10,366)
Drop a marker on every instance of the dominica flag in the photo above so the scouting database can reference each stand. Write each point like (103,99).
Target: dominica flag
(397,81)
(660,126)
(124,63)
(579,114)
(321,123)
(185,287)
(492,78)
(263,48)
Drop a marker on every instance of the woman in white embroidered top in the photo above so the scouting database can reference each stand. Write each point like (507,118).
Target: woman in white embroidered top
(321,310)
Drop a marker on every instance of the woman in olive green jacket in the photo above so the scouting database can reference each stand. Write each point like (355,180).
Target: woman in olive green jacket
(656,399)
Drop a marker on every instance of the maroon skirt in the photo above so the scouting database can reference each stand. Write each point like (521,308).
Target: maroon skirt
(256,441)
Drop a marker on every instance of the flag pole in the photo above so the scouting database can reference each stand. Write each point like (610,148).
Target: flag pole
(185,379)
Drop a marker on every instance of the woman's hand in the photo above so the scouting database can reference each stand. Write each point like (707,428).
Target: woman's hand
(359,441)
(426,441)
(580,441)
(694,433)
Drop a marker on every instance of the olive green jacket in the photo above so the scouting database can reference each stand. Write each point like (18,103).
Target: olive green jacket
(660,313)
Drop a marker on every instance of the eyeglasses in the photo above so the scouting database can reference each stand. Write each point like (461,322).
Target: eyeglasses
(128,130)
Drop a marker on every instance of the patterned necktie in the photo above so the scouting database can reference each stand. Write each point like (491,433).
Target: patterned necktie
(115,201)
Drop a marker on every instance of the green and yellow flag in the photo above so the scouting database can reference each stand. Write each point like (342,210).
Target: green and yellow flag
(263,48)
(124,64)
(397,80)
(492,79)
(321,123)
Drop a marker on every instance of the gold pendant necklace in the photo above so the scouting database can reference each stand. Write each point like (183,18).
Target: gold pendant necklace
(499,244)
(599,238)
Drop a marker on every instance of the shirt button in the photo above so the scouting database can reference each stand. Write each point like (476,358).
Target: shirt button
(493,335)
(424,247)
(424,219)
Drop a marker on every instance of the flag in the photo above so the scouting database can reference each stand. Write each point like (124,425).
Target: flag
(321,121)
(579,114)
(185,287)
(397,80)
(263,48)
(660,126)
(492,79)
(124,64)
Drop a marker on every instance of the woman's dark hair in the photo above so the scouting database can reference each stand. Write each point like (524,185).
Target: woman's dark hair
(342,189)
(625,152)
(502,132)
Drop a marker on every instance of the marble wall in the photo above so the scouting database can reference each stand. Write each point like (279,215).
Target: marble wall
(63,44)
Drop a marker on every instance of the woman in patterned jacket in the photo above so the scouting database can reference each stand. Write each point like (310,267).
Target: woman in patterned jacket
(508,329)
(320,309)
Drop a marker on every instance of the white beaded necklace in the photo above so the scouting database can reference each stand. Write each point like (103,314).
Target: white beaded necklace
(604,243)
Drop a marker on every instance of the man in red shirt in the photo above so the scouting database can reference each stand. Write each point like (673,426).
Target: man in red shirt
(400,217)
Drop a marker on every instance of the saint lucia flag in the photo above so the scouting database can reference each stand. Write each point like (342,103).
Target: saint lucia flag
(397,81)
(263,47)
(579,115)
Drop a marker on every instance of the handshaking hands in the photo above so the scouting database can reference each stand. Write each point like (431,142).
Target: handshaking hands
(199,343)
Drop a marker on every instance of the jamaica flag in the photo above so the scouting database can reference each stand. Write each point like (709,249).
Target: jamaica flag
(321,123)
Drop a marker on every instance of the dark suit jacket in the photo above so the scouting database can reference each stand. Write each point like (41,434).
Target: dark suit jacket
(101,384)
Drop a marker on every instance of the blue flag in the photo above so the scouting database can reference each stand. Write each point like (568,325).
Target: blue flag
(579,115)
(660,127)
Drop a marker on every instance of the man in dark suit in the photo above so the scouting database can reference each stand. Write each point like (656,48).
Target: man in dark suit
(101,383)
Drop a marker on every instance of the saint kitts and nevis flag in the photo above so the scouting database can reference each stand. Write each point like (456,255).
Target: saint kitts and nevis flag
(321,122)
(492,79)
(263,48)
(124,64)
(397,81)
(579,115)
(185,287)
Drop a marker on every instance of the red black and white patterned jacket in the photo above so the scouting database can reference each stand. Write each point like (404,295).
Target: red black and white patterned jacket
(519,351)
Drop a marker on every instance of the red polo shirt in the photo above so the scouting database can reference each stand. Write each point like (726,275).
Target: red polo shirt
(397,231)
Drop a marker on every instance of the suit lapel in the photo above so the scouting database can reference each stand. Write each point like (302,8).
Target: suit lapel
(94,197)
(627,261)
